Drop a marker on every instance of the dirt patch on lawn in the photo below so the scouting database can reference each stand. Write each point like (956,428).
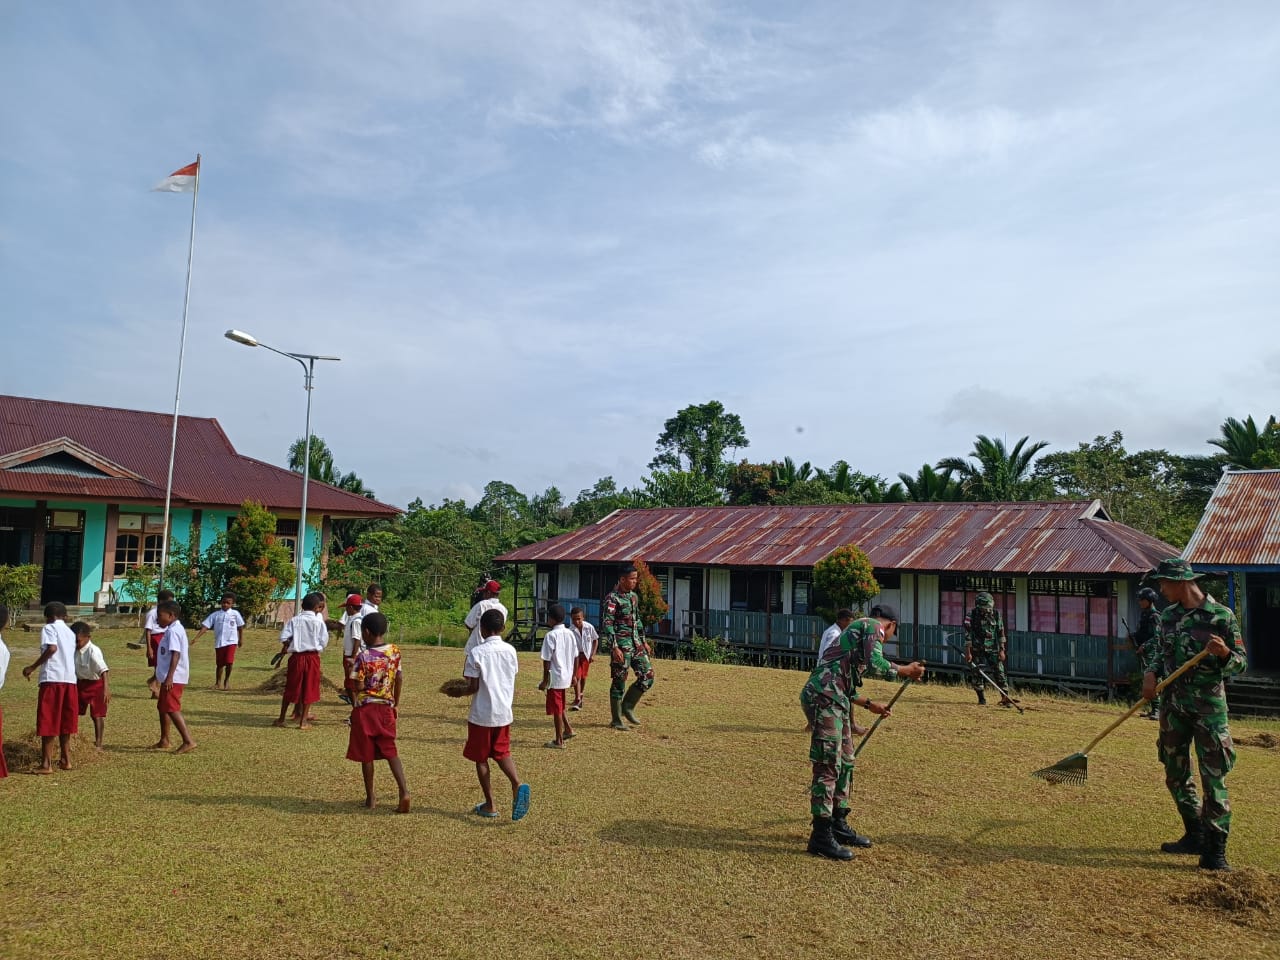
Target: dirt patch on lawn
(1249,897)
(1268,741)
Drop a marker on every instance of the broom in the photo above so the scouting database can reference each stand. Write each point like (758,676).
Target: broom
(880,719)
(1075,768)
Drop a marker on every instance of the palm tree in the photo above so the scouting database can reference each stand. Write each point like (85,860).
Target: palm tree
(999,473)
(321,459)
(929,485)
(1248,447)
(787,474)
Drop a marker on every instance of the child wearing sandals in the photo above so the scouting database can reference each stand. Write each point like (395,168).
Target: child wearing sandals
(378,678)
(559,656)
(490,672)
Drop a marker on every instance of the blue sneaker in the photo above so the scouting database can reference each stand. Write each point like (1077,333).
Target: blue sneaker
(522,803)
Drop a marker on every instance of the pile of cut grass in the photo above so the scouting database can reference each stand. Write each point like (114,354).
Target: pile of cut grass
(682,838)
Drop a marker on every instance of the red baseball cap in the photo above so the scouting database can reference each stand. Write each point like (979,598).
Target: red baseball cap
(354,600)
(493,586)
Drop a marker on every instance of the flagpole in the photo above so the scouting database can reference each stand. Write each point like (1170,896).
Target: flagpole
(177,392)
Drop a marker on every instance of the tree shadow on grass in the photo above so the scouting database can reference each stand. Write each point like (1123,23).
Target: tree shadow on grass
(660,835)
(966,851)
(291,804)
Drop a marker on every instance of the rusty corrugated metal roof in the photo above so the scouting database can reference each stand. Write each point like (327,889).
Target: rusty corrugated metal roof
(1241,524)
(1065,537)
(207,469)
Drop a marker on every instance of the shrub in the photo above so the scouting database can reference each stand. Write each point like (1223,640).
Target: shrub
(712,649)
(649,591)
(19,585)
(843,578)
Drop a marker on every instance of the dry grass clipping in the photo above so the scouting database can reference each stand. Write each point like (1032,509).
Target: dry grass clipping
(277,681)
(1268,741)
(24,754)
(1250,896)
(457,687)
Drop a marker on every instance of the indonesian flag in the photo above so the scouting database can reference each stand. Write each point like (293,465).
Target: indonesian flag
(180,181)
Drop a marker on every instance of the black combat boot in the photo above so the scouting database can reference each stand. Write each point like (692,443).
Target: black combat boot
(1192,841)
(843,833)
(629,703)
(615,708)
(822,844)
(1213,854)
(982,698)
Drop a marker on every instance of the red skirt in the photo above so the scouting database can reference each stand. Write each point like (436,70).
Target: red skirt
(93,698)
(373,733)
(57,710)
(302,682)
(487,743)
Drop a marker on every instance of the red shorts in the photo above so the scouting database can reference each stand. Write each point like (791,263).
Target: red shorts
(373,733)
(555,702)
(93,697)
(4,767)
(302,681)
(153,641)
(581,667)
(170,701)
(487,743)
(225,656)
(347,683)
(57,707)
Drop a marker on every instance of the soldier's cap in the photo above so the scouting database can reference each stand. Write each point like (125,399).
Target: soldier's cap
(885,611)
(1174,569)
(986,600)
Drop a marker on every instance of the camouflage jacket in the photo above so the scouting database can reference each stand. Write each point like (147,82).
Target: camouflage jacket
(859,651)
(984,629)
(1183,634)
(620,624)
(1148,630)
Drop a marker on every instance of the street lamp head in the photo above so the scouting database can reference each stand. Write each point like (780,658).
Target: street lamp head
(239,336)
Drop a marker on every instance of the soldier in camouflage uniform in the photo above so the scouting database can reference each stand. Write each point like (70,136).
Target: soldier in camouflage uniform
(827,701)
(1194,708)
(1148,633)
(623,634)
(985,644)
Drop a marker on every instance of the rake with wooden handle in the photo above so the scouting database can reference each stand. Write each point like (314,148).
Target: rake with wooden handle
(1075,768)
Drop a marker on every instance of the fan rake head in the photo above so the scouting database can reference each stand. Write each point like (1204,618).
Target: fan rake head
(1072,769)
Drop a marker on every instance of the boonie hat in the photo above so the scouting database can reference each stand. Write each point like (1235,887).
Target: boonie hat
(354,600)
(885,611)
(1174,569)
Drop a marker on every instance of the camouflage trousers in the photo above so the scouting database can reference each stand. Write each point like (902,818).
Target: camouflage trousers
(1203,721)
(831,752)
(638,663)
(992,665)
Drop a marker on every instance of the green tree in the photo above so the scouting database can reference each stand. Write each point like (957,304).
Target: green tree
(1246,446)
(696,438)
(679,488)
(999,474)
(786,474)
(747,484)
(811,493)
(843,578)
(322,467)
(599,501)
(930,485)
(258,567)
(19,585)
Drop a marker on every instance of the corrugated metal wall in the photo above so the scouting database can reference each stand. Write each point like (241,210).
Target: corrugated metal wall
(718,590)
(929,599)
(568,580)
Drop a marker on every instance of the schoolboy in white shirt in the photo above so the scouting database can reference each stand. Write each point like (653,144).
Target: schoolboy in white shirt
(173,670)
(490,672)
(228,635)
(559,654)
(588,642)
(92,687)
(305,636)
(151,634)
(4,668)
(352,643)
(488,601)
(57,707)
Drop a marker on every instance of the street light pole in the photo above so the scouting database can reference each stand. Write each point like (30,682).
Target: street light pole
(308,363)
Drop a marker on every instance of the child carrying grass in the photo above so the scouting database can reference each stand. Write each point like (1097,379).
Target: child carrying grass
(490,672)
(378,680)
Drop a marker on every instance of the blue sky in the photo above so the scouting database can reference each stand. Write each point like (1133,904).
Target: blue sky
(534,231)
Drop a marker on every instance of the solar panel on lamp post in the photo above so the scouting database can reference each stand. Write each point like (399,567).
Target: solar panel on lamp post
(308,362)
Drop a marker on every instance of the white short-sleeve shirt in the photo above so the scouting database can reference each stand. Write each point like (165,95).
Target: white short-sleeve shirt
(4,662)
(90,663)
(306,633)
(493,662)
(588,638)
(61,667)
(829,636)
(225,625)
(174,644)
(473,619)
(560,649)
(151,624)
(352,637)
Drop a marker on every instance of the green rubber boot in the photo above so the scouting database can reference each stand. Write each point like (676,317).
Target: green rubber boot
(629,703)
(615,708)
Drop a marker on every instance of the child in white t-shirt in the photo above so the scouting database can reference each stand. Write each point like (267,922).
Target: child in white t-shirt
(91,680)
(173,671)
(490,671)
(559,655)
(4,668)
(588,642)
(228,635)
(304,637)
(57,707)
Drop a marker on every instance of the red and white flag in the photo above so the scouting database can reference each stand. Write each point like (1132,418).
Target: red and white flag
(180,181)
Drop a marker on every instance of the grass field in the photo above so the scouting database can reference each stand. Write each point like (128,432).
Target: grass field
(684,838)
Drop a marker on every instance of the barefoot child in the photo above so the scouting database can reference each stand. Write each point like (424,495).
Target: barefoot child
(173,670)
(352,643)
(4,668)
(378,680)
(305,636)
(588,642)
(559,654)
(151,634)
(91,680)
(490,672)
(57,708)
(228,634)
